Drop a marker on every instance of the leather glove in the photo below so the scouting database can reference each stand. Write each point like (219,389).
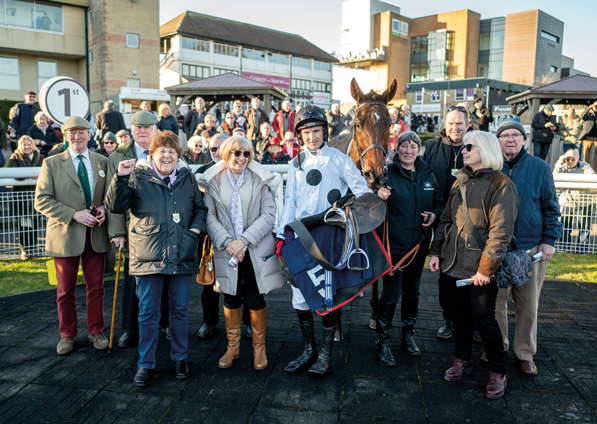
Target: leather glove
(278,248)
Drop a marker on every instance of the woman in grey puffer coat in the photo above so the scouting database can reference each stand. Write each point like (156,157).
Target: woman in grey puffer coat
(241,215)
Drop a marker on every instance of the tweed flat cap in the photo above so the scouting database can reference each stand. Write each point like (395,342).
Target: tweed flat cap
(548,108)
(122,132)
(109,136)
(143,119)
(75,123)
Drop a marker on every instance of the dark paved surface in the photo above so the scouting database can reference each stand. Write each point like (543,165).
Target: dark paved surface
(89,386)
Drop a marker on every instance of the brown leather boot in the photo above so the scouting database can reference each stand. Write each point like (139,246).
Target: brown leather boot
(458,369)
(258,321)
(233,321)
(496,386)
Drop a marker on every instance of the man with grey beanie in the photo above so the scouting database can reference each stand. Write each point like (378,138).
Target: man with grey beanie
(536,229)
(544,127)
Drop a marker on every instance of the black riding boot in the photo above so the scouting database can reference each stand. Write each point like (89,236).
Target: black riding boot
(309,355)
(409,318)
(385,314)
(323,364)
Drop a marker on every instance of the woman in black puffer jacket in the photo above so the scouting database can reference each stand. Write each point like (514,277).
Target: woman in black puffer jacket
(44,135)
(414,202)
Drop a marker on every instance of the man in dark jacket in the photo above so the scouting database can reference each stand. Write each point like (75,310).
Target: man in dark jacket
(108,120)
(483,115)
(544,126)
(23,117)
(444,154)
(194,117)
(536,228)
(255,117)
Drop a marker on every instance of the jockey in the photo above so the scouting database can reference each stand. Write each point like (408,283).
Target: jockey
(317,177)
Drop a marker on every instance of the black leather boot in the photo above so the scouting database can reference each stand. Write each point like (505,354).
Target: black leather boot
(309,355)
(409,311)
(323,364)
(385,314)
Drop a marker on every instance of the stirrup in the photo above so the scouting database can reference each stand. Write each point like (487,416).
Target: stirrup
(359,251)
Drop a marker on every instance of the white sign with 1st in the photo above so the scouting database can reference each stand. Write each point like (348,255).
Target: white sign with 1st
(63,97)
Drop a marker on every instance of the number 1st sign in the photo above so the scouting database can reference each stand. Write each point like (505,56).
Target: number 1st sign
(63,97)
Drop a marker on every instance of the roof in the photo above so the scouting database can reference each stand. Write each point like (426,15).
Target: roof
(572,87)
(465,83)
(195,24)
(226,84)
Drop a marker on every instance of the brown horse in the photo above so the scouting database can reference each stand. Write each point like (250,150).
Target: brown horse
(367,146)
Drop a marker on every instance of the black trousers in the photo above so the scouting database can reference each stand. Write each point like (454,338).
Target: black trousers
(246,291)
(406,281)
(476,304)
(445,296)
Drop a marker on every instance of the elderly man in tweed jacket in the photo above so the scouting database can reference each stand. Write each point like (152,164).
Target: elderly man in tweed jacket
(70,192)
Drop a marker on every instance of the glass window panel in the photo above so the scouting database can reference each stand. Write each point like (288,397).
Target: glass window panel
(185,69)
(20,13)
(192,71)
(45,71)
(322,66)
(9,73)
(485,41)
(279,58)
(132,41)
(497,40)
(300,62)
(132,82)
(48,17)
(483,70)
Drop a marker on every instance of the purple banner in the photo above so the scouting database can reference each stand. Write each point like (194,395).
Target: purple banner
(269,79)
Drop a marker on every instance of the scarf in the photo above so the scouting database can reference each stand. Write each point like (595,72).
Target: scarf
(236,210)
(43,128)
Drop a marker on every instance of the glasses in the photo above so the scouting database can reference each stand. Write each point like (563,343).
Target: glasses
(469,147)
(458,108)
(214,149)
(570,159)
(109,142)
(506,137)
(246,154)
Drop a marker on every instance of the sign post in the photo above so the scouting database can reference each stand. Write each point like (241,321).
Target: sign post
(63,97)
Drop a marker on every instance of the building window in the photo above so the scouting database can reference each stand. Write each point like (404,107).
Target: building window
(219,71)
(321,86)
(90,57)
(464,94)
(440,42)
(133,82)
(45,71)
(193,71)
(299,62)
(90,19)
(419,44)
(9,73)
(322,66)
(300,84)
(553,69)
(550,37)
(132,41)
(225,49)
(418,72)
(419,96)
(254,55)
(31,14)
(436,96)
(194,44)
(278,58)
(485,41)
(483,70)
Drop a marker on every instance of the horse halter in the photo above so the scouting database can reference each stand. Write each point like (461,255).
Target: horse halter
(371,146)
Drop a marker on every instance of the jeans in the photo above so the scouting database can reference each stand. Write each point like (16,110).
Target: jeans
(541,149)
(246,291)
(406,281)
(476,305)
(149,292)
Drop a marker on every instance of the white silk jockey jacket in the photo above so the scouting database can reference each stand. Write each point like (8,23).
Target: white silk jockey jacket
(325,177)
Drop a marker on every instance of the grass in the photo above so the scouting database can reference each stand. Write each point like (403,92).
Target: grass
(17,276)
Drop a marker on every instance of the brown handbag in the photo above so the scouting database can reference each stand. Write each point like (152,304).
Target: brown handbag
(206,275)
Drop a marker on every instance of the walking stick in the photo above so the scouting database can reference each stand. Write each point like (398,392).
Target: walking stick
(115,298)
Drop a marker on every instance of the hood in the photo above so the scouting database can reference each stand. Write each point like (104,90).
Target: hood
(273,180)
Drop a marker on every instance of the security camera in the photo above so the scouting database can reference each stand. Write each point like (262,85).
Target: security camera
(134,72)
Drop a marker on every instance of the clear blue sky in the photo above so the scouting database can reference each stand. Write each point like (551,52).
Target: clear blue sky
(319,20)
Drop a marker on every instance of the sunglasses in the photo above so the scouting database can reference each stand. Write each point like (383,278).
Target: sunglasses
(214,149)
(458,108)
(469,147)
(246,154)
(109,142)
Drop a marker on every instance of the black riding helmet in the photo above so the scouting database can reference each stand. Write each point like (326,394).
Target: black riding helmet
(308,117)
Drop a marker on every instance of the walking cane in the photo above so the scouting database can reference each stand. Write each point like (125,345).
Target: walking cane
(115,298)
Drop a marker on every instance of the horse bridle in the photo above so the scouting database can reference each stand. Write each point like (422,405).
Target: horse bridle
(371,146)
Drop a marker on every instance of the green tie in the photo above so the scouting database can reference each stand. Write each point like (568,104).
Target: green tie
(82,171)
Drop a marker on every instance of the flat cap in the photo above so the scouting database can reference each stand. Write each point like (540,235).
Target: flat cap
(30,92)
(109,136)
(75,123)
(548,108)
(122,132)
(144,119)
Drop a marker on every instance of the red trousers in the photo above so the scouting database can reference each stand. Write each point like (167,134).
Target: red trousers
(93,273)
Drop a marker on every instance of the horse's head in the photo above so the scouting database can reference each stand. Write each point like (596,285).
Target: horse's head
(372,125)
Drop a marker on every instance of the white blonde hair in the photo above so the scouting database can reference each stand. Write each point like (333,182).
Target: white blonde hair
(489,149)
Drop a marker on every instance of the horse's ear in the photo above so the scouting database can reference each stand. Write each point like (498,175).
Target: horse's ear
(388,95)
(355,90)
